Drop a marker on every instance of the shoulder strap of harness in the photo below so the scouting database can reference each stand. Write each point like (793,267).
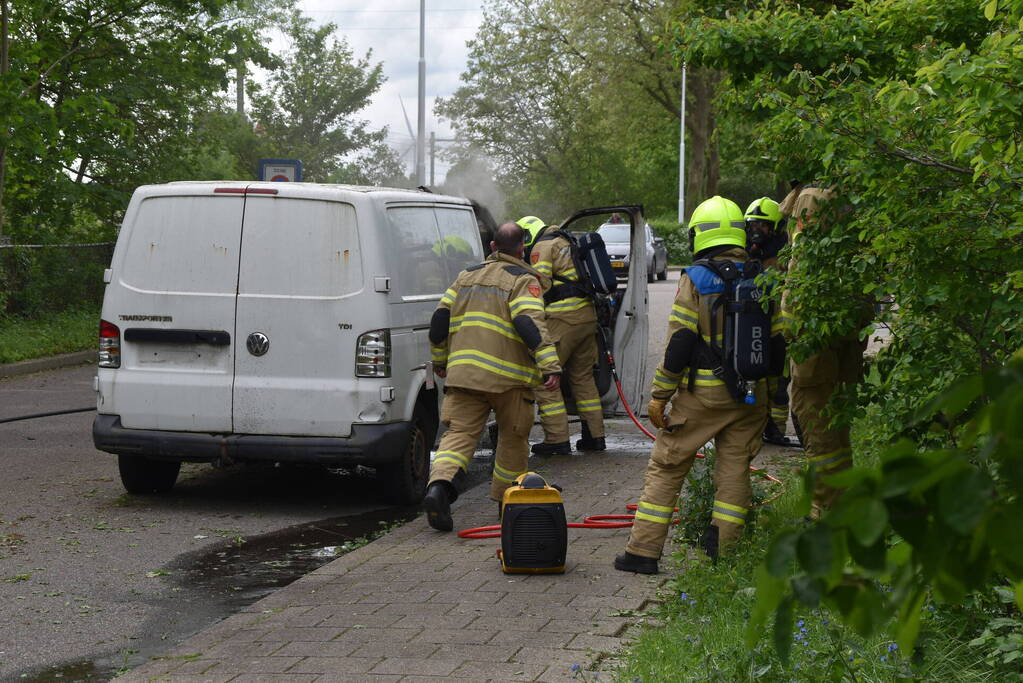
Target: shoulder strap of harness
(567,288)
(709,355)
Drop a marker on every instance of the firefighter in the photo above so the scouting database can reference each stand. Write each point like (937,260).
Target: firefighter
(702,407)
(488,332)
(816,379)
(572,322)
(765,237)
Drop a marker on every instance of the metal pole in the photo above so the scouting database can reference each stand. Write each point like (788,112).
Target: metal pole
(433,153)
(682,155)
(421,133)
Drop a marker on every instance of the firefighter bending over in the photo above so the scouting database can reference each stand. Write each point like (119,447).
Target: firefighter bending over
(489,339)
(572,322)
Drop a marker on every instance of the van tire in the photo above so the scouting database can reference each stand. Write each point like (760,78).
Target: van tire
(650,275)
(405,482)
(663,275)
(145,476)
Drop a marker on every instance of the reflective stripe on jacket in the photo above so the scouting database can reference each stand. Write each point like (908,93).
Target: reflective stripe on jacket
(483,349)
(691,311)
(553,257)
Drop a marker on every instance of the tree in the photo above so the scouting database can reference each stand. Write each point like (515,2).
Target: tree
(911,110)
(99,97)
(307,109)
(578,103)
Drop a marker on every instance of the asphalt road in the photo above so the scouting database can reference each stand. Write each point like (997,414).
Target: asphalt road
(92,578)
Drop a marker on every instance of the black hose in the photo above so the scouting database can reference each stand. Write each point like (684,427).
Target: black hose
(50,414)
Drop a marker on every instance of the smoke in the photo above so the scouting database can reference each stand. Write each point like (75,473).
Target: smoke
(473,177)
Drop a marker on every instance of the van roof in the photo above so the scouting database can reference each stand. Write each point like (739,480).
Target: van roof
(321,186)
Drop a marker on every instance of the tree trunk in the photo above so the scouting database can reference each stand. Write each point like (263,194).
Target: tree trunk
(240,88)
(5,67)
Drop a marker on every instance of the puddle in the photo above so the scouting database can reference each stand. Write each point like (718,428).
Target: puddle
(216,582)
(238,574)
(77,671)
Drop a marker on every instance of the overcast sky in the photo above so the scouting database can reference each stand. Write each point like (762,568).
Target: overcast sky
(391,29)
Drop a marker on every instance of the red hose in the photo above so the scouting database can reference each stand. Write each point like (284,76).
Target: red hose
(611,521)
(628,409)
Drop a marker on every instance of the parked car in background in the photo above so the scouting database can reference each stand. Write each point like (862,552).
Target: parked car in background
(616,238)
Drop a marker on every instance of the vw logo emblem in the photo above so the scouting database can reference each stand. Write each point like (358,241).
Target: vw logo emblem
(257,344)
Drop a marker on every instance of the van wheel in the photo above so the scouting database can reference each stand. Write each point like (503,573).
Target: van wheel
(663,275)
(145,476)
(405,482)
(650,276)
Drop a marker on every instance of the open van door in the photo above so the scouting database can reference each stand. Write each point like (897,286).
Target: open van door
(627,328)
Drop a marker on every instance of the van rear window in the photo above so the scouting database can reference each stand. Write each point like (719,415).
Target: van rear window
(300,247)
(184,244)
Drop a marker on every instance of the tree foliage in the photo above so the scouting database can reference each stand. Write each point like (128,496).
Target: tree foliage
(911,110)
(99,97)
(307,110)
(577,103)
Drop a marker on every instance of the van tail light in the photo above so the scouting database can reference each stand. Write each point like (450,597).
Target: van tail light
(373,354)
(109,345)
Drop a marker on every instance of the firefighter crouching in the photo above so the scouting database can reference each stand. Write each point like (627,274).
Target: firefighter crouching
(814,380)
(702,405)
(572,323)
(489,339)
(765,237)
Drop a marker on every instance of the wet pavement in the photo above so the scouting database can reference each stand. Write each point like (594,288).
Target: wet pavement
(421,605)
(215,582)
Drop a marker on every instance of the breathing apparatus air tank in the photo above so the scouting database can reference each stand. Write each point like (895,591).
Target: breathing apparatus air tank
(534,533)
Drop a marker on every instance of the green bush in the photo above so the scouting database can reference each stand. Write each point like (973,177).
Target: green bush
(676,238)
(34,281)
(705,607)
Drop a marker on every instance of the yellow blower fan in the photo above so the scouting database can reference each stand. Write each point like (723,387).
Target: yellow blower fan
(534,534)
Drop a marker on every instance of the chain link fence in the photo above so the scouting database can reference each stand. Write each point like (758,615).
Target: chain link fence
(43,278)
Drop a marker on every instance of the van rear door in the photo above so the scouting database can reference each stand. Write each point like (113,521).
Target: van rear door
(629,325)
(172,295)
(297,326)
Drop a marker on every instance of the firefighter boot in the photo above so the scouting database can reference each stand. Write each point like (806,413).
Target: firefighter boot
(774,436)
(587,442)
(709,542)
(627,562)
(546,449)
(437,503)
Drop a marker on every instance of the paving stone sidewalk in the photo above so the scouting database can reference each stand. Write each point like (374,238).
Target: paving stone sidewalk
(419,605)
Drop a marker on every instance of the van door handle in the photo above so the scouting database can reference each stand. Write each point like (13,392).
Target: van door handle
(150,334)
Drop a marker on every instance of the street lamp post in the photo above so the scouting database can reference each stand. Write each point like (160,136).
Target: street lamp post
(682,154)
(421,133)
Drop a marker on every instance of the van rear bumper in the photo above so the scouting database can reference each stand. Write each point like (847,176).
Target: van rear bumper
(370,445)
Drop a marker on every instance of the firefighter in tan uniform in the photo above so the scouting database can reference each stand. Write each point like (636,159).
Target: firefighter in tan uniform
(489,339)
(815,380)
(572,323)
(765,237)
(702,407)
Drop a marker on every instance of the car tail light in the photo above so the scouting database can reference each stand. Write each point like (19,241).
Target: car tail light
(373,354)
(109,345)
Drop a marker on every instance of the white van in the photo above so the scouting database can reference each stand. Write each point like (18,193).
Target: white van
(279,322)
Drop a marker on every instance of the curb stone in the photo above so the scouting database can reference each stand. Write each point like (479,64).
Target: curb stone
(27,367)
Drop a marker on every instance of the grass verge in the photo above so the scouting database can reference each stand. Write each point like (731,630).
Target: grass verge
(28,338)
(700,627)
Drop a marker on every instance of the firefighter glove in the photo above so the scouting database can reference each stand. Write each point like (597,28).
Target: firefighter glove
(655,410)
